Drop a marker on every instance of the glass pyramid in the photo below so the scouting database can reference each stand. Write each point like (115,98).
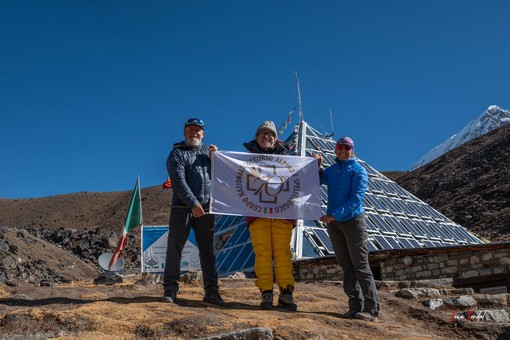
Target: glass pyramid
(396,219)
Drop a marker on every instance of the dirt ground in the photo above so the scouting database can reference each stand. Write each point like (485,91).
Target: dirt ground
(130,310)
(71,306)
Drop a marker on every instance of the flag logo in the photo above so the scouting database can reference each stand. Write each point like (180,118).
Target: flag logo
(274,182)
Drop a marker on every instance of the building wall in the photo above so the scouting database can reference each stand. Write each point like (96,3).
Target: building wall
(456,265)
(323,269)
(462,264)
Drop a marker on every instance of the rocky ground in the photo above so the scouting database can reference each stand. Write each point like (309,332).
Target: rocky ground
(131,310)
(47,290)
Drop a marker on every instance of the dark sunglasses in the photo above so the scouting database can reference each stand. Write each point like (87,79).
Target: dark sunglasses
(341,147)
(265,133)
(194,121)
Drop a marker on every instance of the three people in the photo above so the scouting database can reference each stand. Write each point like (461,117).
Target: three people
(271,237)
(347,182)
(189,168)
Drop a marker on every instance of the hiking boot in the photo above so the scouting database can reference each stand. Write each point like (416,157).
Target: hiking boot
(350,314)
(267,299)
(215,299)
(285,299)
(170,297)
(365,316)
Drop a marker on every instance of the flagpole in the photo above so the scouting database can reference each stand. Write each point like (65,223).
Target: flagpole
(133,220)
(140,197)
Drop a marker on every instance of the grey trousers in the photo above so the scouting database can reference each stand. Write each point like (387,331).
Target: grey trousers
(349,240)
(181,222)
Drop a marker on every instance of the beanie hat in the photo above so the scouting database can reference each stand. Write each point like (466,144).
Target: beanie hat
(345,141)
(267,126)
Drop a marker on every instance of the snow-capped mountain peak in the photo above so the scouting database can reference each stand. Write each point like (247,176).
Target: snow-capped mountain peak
(491,119)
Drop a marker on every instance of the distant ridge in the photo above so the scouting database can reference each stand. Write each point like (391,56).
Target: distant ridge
(493,118)
(470,184)
(84,210)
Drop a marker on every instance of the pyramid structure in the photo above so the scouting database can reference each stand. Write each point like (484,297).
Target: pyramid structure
(396,219)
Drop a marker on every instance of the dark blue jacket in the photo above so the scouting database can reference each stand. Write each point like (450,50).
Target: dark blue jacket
(347,182)
(189,169)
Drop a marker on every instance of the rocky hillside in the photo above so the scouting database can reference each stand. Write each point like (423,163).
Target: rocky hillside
(470,184)
(84,210)
(66,233)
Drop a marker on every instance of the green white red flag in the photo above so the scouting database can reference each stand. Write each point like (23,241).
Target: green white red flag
(133,220)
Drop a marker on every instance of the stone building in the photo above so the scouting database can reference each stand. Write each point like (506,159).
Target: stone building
(484,267)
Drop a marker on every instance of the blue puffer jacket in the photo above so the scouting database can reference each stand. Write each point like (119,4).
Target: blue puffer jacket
(189,169)
(347,182)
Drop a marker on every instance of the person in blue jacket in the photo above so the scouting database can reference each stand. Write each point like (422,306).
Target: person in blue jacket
(347,182)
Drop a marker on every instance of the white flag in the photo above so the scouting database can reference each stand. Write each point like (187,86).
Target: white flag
(265,185)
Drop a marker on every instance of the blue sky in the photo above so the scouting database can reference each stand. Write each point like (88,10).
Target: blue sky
(93,93)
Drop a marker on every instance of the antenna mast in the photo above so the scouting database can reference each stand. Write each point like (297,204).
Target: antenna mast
(332,128)
(300,105)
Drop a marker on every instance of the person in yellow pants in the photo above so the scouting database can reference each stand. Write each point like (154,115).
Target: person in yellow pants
(271,237)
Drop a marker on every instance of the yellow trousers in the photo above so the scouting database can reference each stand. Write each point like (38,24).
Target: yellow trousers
(271,240)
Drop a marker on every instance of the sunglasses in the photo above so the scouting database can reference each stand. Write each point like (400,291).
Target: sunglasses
(341,147)
(265,133)
(194,121)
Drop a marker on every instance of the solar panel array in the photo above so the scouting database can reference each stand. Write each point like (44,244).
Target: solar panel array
(396,219)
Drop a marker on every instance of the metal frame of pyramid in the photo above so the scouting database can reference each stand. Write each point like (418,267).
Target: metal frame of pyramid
(396,219)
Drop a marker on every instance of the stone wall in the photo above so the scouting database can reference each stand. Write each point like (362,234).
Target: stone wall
(325,268)
(467,266)
(456,265)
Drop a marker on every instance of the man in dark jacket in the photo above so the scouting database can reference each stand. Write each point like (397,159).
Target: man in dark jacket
(189,168)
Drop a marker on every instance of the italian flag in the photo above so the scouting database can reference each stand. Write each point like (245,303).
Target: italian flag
(133,220)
